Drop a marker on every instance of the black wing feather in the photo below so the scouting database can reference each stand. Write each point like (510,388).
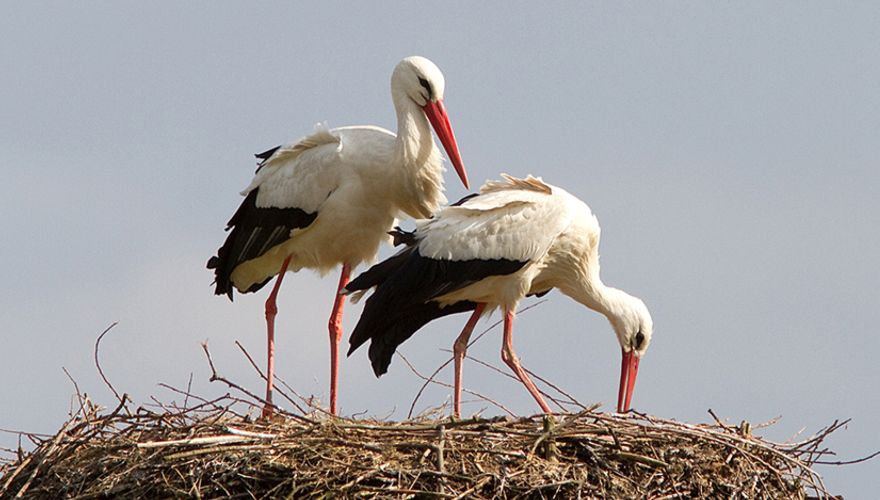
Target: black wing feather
(466,198)
(265,155)
(254,231)
(406,285)
(402,237)
(403,324)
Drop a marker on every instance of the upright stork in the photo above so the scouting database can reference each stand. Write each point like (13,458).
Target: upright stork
(330,198)
(517,237)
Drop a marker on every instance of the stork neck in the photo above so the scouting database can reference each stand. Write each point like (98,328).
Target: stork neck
(608,301)
(418,164)
(415,144)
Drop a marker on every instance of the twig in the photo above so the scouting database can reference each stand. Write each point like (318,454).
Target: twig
(26,433)
(179,451)
(43,458)
(571,399)
(513,377)
(635,457)
(225,439)
(213,449)
(257,435)
(216,377)
(720,423)
(98,363)
(75,385)
(263,376)
(444,384)
(430,379)
(436,372)
(441,466)
(849,462)
(189,385)
(188,395)
(403,491)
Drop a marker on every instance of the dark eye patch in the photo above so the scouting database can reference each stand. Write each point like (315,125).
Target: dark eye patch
(424,83)
(640,337)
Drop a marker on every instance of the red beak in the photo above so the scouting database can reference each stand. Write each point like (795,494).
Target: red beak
(629,368)
(436,113)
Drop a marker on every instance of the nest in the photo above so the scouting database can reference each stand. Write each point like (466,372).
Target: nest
(214,449)
(209,450)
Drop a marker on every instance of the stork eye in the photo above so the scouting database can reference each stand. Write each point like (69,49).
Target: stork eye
(640,337)
(427,86)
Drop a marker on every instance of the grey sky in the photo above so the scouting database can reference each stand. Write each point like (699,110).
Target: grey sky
(729,150)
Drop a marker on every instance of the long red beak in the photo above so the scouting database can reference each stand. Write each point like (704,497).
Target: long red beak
(436,113)
(629,368)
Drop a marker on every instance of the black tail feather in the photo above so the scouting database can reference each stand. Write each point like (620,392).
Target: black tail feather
(406,286)
(377,274)
(254,230)
(466,198)
(402,237)
(265,155)
(401,325)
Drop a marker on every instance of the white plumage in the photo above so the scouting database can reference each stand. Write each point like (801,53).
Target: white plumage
(518,237)
(347,176)
(517,221)
(330,198)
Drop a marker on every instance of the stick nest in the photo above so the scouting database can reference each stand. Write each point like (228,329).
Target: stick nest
(211,451)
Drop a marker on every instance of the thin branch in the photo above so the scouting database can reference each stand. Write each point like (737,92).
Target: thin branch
(72,381)
(848,462)
(216,377)
(189,385)
(513,377)
(571,399)
(263,376)
(443,384)
(98,363)
(203,402)
(719,422)
(436,372)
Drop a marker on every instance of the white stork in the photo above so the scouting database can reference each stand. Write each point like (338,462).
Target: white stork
(516,238)
(330,198)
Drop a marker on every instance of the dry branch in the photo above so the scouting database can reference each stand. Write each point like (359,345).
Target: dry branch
(209,452)
(213,449)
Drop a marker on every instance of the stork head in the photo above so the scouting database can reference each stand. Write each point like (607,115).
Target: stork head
(421,81)
(633,326)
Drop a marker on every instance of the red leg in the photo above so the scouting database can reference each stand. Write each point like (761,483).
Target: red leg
(459,349)
(271,311)
(335,327)
(509,357)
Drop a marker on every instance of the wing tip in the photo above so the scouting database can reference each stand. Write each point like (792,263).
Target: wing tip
(530,183)
(400,236)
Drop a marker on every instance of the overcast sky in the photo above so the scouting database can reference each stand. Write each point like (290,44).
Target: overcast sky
(730,151)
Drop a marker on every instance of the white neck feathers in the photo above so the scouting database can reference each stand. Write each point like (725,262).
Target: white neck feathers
(418,159)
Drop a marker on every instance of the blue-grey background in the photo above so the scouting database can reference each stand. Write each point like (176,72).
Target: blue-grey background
(730,151)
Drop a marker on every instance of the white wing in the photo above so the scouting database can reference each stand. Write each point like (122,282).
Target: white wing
(517,220)
(301,174)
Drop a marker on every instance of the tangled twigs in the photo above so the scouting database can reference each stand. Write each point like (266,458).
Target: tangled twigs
(263,376)
(206,451)
(431,378)
(215,377)
(444,384)
(210,449)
